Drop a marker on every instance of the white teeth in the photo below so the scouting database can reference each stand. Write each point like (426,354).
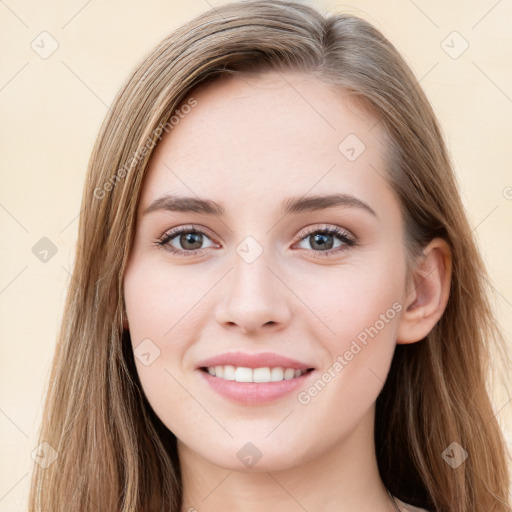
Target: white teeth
(289,373)
(266,374)
(261,375)
(229,372)
(243,374)
(276,374)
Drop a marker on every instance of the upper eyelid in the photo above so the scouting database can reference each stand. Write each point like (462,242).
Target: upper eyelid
(324,227)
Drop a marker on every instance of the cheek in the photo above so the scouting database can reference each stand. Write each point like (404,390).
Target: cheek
(360,296)
(162,309)
(365,309)
(160,301)
(370,305)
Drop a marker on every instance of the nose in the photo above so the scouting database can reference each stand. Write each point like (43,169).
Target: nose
(254,298)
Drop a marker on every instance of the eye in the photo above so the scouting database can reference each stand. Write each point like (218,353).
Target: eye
(188,237)
(324,240)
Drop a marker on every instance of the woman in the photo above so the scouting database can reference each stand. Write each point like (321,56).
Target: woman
(277,300)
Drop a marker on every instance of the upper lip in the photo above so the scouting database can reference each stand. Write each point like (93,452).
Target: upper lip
(261,360)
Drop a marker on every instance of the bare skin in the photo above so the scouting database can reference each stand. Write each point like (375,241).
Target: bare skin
(249,144)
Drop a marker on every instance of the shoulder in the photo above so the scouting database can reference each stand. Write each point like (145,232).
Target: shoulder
(409,508)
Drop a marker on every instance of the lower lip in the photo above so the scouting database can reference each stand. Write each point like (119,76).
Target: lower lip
(255,393)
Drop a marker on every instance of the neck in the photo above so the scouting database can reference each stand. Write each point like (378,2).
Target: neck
(344,478)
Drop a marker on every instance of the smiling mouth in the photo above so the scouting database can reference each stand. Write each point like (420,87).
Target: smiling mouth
(258,375)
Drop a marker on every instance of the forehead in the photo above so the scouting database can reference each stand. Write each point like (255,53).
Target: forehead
(268,136)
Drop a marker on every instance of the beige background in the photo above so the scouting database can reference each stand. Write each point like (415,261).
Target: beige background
(51,110)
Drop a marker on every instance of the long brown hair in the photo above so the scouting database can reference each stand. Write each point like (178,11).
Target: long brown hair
(113,452)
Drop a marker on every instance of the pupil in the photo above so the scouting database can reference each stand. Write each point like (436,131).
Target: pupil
(191,238)
(319,240)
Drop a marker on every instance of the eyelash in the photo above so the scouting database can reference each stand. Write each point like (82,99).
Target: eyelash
(348,240)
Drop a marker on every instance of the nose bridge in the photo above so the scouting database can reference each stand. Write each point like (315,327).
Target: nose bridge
(251,275)
(253,295)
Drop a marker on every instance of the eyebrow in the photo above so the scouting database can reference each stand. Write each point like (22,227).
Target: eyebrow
(291,205)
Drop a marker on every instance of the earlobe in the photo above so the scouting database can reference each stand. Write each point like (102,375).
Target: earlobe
(425,303)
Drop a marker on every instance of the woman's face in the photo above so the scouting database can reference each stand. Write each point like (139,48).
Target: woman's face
(284,157)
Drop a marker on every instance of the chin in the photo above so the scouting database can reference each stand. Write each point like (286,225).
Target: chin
(246,456)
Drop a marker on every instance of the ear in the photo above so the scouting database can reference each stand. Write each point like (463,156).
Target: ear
(427,293)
